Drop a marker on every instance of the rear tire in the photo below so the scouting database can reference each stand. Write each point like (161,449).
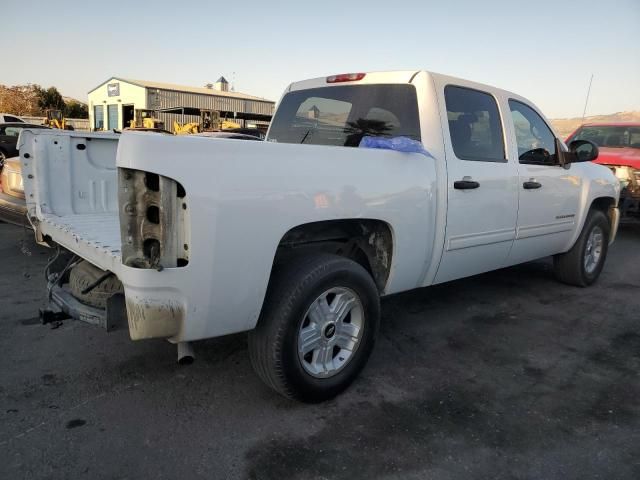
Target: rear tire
(581,266)
(326,304)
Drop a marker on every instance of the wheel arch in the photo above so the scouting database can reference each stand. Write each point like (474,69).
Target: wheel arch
(603,203)
(607,206)
(369,242)
(600,192)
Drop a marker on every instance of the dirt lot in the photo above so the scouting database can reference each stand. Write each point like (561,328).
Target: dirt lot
(504,375)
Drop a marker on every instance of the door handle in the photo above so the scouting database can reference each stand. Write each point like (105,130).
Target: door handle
(465,184)
(531,185)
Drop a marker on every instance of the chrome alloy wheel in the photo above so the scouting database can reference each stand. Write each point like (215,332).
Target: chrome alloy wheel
(593,249)
(330,332)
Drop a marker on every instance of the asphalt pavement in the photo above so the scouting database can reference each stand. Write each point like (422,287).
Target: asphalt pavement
(506,375)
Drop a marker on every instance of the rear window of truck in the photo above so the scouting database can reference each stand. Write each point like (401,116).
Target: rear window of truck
(342,115)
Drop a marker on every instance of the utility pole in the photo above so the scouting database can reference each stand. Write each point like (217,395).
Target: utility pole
(584,112)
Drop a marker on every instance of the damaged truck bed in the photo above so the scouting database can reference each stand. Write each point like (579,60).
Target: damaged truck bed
(72,183)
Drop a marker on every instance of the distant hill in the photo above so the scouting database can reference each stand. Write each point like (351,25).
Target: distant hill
(70,99)
(564,126)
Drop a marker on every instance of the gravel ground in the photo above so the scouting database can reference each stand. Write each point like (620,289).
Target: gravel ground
(504,375)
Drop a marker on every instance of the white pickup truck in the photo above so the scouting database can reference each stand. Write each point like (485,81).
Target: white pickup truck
(296,238)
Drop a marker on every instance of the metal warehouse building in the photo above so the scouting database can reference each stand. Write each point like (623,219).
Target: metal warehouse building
(112,104)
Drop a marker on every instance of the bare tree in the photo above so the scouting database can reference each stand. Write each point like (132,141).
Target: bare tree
(19,100)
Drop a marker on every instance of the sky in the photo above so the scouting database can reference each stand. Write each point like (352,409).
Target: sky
(543,50)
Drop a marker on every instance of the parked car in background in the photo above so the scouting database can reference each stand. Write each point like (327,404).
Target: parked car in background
(12,203)
(13,208)
(7,117)
(9,133)
(619,145)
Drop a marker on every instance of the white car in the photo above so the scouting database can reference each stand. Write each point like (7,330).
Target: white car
(367,185)
(9,118)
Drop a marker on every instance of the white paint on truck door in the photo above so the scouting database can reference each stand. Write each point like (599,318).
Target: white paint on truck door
(549,194)
(482,194)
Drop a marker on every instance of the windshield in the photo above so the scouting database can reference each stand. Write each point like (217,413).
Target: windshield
(610,136)
(342,115)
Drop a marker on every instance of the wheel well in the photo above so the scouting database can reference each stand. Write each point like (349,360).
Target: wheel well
(367,242)
(603,204)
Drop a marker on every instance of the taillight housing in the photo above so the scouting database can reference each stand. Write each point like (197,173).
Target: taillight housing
(345,77)
(153,219)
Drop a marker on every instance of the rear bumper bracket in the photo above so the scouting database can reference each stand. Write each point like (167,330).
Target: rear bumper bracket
(110,318)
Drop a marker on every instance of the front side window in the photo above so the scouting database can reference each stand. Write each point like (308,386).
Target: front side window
(343,115)
(11,119)
(474,125)
(536,142)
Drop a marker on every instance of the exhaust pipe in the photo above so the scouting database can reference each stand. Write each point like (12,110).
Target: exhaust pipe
(186,356)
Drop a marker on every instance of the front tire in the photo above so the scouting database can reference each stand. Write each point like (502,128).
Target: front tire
(581,266)
(318,327)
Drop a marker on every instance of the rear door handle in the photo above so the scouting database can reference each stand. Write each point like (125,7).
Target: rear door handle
(465,184)
(531,185)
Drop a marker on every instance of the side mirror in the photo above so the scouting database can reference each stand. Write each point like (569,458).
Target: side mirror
(583,150)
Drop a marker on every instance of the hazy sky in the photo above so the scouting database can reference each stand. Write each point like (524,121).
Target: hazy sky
(543,50)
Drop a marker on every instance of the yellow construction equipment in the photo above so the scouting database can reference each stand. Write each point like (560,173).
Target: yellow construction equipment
(146,119)
(55,119)
(210,121)
(226,124)
(185,129)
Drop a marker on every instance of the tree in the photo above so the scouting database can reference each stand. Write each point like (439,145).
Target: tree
(19,100)
(33,100)
(49,99)
(76,110)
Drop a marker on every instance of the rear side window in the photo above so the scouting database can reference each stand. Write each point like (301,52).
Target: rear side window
(342,115)
(474,124)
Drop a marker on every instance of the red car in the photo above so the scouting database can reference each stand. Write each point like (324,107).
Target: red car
(619,145)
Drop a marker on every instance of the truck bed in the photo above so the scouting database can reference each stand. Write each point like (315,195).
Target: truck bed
(95,237)
(70,181)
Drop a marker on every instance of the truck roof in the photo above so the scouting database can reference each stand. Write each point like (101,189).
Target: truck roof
(396,76)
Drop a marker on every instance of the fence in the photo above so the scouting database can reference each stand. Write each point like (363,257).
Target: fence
(76,123)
